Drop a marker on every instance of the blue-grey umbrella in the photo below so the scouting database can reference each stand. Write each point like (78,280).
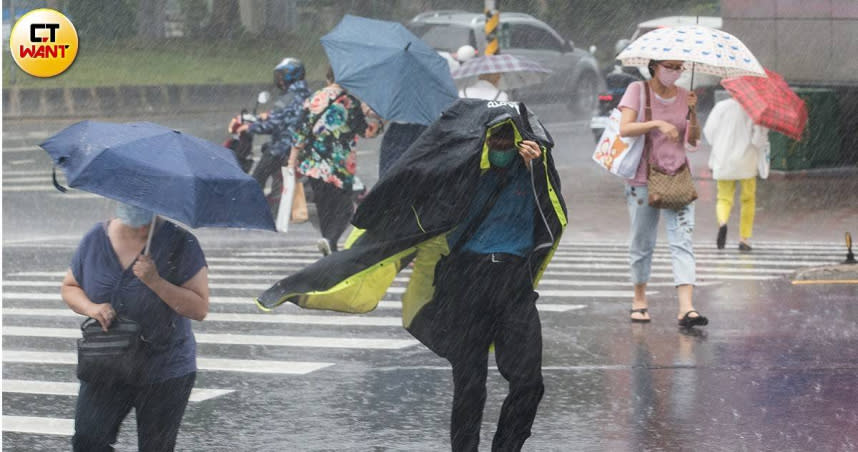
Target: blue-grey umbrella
(173,174)
(390,68)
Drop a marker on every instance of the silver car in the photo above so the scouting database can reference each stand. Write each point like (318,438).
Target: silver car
(574,80)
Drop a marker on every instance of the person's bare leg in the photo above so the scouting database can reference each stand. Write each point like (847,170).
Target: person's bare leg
(640,302)
(685,293)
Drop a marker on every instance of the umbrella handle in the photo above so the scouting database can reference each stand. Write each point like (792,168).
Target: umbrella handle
(691,88)
(151,233)
(57,184)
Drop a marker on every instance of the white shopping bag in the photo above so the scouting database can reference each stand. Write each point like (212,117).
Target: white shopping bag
(284,212)
(617,154)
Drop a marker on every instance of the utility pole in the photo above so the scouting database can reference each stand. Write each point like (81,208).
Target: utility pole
(492,27)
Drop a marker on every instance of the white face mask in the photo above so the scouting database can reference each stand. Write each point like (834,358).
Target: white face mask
(667,77)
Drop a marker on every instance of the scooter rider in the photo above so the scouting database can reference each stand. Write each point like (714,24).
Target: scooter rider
(289,78)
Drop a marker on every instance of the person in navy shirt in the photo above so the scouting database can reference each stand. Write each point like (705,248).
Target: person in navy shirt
(163,290)
(485,295)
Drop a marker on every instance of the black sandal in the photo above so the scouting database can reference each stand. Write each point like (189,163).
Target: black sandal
(687,321)
(641,311)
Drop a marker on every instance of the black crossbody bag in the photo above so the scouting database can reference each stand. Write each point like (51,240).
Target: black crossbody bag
(112,356)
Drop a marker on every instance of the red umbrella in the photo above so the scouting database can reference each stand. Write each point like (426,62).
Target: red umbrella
(770,102)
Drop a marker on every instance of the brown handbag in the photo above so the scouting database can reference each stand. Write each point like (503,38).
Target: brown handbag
(300,213)
(666,191)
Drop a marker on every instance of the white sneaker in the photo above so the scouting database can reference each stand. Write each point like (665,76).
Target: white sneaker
(324,247)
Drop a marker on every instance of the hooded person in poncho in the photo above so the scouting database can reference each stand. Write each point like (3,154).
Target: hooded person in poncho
(476,203)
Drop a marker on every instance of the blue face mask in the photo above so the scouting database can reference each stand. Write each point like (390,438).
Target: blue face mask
(501,158)
(133,216)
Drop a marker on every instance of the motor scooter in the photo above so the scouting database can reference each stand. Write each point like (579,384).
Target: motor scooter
(241,144)
(616,83)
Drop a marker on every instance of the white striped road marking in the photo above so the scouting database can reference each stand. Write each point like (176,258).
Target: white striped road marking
(713,254)
(543,282)
(705,245)
(598,266)
(29,173)
(280,271)
(545,307)
(563,293)
(38,425)
(19,179)
(231,365)
(71,389)
(574,250)
(254,287)
(561,260)
(307,319)
(615,246)
(46,187)
(670,276)
(21,162)
(384,304)
(391,290)
(261,260)
(239,339)
(71,194)
(21,149)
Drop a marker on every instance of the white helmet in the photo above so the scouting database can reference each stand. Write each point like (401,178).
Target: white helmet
(465,53)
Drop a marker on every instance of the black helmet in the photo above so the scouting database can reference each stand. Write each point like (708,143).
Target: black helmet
(288,71)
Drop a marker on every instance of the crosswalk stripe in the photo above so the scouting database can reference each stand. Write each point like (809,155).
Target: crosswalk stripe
(26,179)
(20,149)
(264,260)
(272,280)
(273,273)
(384,304)
(230,365)
(306,319)
(392,290)
(71,389)
(562,262)
(7,173)
(569,247)
(557,262)
(38,425)
(253,287)
(625,267)
(239,339)
(563,293)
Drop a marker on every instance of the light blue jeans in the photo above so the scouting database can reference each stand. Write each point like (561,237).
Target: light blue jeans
(644,230)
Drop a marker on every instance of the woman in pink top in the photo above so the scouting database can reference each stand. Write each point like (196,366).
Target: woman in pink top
(672,132)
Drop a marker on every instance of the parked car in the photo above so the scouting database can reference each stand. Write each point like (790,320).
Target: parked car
(575,78)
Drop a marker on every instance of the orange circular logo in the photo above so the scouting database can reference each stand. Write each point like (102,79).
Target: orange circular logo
(43,43)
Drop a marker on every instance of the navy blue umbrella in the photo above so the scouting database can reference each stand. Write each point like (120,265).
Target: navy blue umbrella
(173,174)
(389,68)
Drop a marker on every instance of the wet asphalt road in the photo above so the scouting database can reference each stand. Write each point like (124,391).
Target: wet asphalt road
(775,370)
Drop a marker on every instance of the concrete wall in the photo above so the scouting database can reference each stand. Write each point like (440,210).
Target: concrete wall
(807,41)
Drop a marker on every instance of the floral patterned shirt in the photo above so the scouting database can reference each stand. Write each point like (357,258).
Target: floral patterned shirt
(333,119)
(281,120)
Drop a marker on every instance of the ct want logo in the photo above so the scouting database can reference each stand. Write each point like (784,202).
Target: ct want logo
(43,43)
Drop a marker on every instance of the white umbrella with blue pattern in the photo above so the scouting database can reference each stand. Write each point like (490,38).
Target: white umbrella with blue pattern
(710,51)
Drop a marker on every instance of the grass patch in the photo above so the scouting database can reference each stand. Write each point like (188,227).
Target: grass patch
(179,62)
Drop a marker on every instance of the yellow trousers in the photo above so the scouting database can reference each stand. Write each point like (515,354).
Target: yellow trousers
(748,198)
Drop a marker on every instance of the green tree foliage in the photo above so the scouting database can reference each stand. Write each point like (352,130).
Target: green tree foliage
(97,21)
